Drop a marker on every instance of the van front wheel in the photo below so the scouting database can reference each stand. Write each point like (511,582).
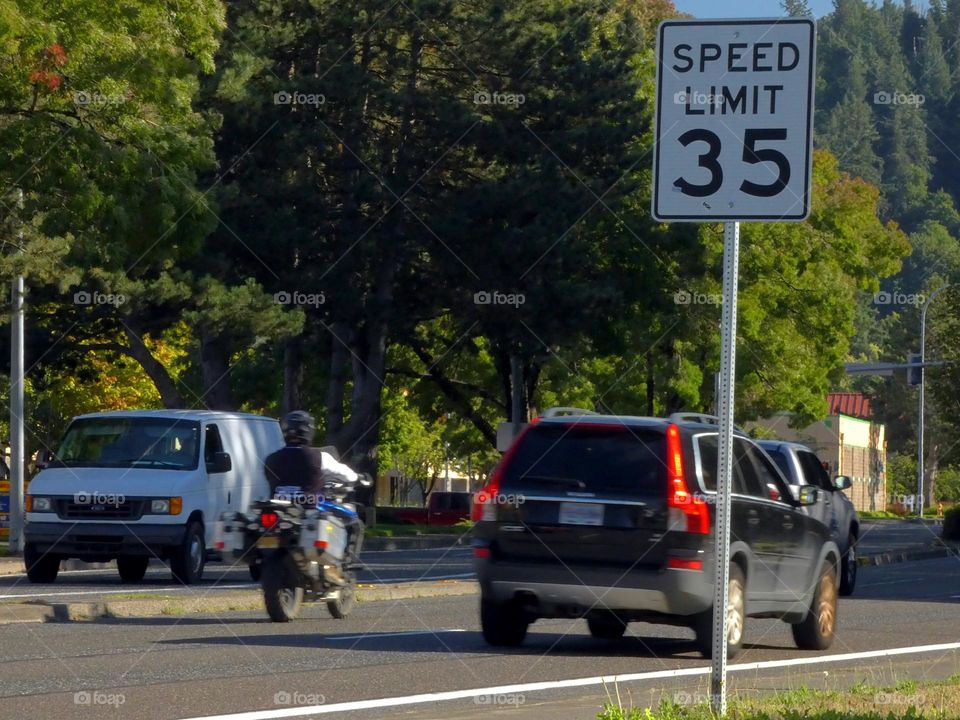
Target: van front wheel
(188,558)
(41,568)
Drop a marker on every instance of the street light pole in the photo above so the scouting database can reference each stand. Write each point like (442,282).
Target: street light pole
(923,359)
(17,453)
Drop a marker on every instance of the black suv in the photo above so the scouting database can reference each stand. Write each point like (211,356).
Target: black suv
(611,518)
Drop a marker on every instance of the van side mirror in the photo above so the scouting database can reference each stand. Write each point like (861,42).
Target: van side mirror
(807,495)
(842,482)
(44,458)
(219,463)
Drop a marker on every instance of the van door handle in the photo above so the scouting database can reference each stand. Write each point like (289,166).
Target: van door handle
(787,522)
(753,520)
(228,497)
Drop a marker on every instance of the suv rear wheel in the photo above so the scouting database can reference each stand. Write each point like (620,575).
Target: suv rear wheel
(606,627)
(816,630)
(736,617)
(503,624)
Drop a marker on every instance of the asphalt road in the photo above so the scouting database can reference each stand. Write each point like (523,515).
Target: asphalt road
(185,667)
(384,566)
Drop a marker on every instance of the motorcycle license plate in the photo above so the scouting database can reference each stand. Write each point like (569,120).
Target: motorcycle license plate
(271,541)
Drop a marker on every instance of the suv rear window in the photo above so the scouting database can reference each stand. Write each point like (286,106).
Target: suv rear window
(605,460)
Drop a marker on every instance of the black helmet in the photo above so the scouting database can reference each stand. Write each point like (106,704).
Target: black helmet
(298,427)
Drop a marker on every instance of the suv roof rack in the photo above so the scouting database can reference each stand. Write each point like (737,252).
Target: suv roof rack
(558,411)
(700,418)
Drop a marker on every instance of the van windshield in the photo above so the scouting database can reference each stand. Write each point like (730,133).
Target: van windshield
(162,443)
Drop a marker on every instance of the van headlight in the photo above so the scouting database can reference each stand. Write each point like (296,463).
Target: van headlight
(38,503)
(166,506)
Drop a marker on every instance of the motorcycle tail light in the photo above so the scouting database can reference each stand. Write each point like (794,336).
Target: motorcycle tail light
(268,519)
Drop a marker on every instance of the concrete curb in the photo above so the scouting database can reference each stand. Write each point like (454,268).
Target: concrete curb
(925,552)
(174,606)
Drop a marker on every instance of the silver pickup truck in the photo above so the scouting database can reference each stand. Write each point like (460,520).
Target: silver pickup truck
(800,466)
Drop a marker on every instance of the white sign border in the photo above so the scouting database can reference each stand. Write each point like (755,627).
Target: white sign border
(811,97)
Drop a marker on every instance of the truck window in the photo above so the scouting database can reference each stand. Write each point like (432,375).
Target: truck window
(813,470)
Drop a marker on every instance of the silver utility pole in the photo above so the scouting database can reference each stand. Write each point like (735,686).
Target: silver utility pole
(16,406)
(728,364)
(920,414)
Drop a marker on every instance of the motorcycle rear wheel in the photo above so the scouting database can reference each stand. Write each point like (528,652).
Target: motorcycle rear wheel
(282,595)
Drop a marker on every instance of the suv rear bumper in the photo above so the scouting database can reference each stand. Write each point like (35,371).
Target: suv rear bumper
(553,591)
(93,541)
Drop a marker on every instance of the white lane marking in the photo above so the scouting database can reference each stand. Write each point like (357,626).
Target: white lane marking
(371,636)
(559,684)
(892,582)
(124,591)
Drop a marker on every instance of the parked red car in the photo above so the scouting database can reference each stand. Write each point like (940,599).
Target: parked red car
(443,508)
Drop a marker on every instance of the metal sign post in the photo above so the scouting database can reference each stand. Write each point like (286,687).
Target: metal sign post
(733,142)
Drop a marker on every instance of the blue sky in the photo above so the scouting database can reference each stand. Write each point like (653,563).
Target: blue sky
(752,8)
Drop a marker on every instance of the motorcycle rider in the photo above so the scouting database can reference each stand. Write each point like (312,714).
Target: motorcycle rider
(312,473)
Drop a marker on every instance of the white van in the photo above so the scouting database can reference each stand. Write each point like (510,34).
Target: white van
(144,484)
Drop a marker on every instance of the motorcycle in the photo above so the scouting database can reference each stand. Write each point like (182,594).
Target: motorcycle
(301,553)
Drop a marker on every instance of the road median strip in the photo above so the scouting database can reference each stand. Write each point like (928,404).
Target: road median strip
(160,605)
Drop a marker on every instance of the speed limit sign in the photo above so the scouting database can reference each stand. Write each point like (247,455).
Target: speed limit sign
(734,120)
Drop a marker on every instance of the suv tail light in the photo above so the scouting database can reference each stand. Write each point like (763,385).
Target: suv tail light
(268,519)
(687,512)
(485,499)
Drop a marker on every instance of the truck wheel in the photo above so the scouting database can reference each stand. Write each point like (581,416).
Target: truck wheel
(346,600)
(40,568)
(132,568)
(503,624)
(282,595)
(606,627)
(816,630)
(736,617)
(848,567)
(189,557)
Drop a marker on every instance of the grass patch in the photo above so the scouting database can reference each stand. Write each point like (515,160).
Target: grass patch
(878,515)
(905,700)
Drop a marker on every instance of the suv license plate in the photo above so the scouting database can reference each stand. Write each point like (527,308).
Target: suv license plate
(269,542)
(581,514)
